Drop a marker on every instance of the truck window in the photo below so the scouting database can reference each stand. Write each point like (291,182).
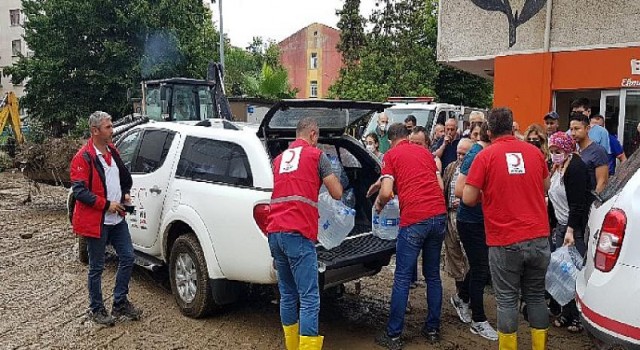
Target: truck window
(128,146)
(214,161)
(206,103)
(153,105)
(442,117)
(153,150)
(184,103)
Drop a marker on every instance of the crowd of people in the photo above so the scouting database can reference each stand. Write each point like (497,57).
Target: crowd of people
(494,181)
(470,191)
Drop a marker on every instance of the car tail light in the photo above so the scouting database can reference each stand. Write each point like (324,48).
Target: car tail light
(610,241)
(261,216)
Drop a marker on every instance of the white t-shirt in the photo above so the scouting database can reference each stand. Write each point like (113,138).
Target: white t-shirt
(114,191)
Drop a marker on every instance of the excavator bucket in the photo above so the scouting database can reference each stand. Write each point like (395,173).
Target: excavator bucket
(9,112)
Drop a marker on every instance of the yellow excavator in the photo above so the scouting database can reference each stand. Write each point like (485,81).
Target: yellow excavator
(9,112)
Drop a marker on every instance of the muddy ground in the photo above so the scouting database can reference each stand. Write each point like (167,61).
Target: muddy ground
(43,299)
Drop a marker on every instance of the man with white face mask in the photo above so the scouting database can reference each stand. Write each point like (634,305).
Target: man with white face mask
(381,131)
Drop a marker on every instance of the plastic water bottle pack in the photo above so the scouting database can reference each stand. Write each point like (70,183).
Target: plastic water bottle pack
(338,170)
(386,224)
(561,275)
(335,222)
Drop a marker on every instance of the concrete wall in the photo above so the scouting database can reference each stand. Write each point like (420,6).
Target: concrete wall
(8,34)
(468,32)
(296,53)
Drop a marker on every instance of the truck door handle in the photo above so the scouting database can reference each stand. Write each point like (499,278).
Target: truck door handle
(155,189)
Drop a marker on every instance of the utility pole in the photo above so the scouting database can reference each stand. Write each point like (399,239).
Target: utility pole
(221,37)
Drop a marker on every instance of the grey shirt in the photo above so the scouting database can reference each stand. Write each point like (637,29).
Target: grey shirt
(324,166)
(594,156)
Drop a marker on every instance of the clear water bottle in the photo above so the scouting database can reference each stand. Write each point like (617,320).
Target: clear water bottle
(349,198)
(335,222)
(386,224)
(562,273)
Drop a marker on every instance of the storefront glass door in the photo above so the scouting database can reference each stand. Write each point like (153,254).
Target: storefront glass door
(621,109)
(630,137)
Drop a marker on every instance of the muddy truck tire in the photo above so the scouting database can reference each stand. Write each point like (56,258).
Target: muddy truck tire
(189,277)
(83,255)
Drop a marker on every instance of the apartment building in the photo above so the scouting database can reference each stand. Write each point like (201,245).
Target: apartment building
(12,43)
(311,59)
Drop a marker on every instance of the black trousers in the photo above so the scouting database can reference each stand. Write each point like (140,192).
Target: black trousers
(474,242)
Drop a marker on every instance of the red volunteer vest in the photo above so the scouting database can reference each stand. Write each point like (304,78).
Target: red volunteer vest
(294,201)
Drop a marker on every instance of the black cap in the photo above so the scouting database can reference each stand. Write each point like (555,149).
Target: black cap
(552,115)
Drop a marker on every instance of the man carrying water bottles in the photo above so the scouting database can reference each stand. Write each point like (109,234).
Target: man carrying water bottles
(298,174)
(410,171)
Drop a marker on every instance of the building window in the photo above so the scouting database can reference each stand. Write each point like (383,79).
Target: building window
(314,60)
(314,88)
(16,47)
(14,16)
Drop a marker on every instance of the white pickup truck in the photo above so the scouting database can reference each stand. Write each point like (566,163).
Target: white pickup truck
(201,192)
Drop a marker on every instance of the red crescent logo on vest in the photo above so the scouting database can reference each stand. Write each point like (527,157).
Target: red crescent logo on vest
(290,155)
(515,163)
(518,160)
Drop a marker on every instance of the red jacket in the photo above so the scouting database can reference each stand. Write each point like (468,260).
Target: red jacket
(294,201)
(89,189)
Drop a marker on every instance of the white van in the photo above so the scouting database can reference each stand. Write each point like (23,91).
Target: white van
(427,114)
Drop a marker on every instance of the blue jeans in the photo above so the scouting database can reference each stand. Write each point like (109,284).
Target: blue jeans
(427,236)
(297,265)
(118,236)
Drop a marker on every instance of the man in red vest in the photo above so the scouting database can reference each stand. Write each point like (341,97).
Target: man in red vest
(298,174)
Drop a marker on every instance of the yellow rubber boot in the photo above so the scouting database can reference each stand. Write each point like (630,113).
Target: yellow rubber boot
(507,341)
(311,343)
(538,339)
(292,336)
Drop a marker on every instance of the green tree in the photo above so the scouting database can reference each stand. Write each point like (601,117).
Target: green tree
(352,37)
(88,53)
(462,88)
(257,71)
(272,83)
(399,58)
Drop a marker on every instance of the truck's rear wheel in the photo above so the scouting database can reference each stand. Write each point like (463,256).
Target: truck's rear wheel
(189,277)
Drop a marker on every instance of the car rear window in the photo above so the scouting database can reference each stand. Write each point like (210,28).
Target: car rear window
(214,161)
(624,173)
(327,118)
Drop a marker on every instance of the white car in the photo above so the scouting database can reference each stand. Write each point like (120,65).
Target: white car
(201,192)
(608,287)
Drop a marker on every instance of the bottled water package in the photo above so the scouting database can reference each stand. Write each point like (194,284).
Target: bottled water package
(386,224)
(561,275)
(335,222)
(338,170)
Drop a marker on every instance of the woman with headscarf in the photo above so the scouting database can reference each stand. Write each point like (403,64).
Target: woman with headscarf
(568,193)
